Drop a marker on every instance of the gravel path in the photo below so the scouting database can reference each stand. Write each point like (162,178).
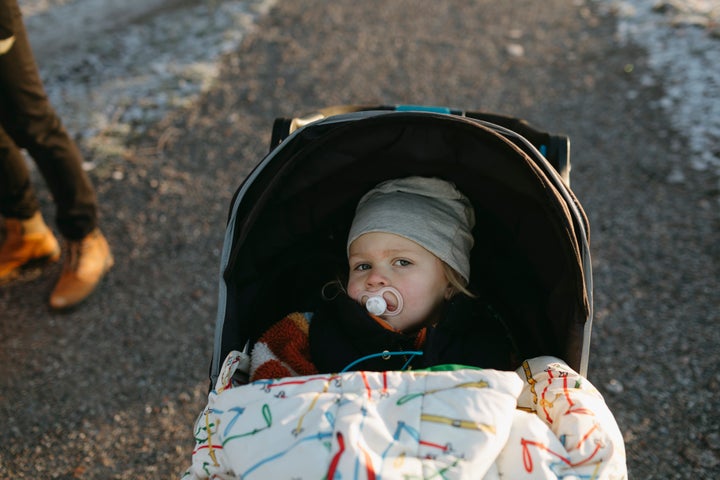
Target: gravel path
(110,391)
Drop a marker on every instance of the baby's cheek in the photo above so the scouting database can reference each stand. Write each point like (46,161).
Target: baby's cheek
(352,291)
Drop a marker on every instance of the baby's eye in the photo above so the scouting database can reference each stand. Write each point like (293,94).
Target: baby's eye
(362,267)
(401,262)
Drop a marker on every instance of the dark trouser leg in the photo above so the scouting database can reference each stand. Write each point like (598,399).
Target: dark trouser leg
(17,198)
(30,121)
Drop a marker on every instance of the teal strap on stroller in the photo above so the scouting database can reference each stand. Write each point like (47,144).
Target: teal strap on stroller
(422,108)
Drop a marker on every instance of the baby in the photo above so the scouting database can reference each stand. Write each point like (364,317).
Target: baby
(406,303)
(410,240)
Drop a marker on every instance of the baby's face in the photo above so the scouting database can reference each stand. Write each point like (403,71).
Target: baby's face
(380,260)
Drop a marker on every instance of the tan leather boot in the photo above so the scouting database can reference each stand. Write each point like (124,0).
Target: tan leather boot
(26,241)
(86,262)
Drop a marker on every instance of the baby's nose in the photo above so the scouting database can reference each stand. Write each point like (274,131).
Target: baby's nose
(377,278)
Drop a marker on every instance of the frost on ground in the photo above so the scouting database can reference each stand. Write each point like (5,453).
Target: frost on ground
(139,59)
(682,38)
(122,73)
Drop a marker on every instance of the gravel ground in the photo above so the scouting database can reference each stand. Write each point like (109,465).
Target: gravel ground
(110,390)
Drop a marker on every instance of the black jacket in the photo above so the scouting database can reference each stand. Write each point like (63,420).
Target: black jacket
(471,334)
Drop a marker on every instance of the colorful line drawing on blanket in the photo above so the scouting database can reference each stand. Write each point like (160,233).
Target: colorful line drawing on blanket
(233,362)
(544,400)
(559,467)
(530,380)
(438,474)
(211,429)
(527,455)
(367,461)
(320,436)
(237,425)
(403,427)
(458,423)
(336,457)
(372,473)
(361,446)
(363,462)
(368,388)
(272,383)
(369,469)
(412,396)
(566,392)
(267,417)
(207,441)
(299,428)
(547,404)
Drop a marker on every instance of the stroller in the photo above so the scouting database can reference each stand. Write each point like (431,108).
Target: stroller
(286,238)
(289,220)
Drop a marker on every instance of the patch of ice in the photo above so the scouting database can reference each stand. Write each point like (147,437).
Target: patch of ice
(683,44)
(111,69)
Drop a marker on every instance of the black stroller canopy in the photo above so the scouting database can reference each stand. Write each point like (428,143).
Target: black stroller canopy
(289,221)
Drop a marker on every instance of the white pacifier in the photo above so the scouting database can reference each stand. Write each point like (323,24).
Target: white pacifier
(376,304)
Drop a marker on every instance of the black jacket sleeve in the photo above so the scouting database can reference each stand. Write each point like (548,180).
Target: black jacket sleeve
(342,331)
(471,334)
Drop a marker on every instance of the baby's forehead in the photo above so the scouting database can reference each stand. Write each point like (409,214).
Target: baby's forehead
(384,243)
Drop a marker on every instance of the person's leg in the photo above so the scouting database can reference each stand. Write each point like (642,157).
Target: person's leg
(32,123)
(17,197)
(27,238)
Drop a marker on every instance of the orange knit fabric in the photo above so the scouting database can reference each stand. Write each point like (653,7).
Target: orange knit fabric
(284,349)
(289,344)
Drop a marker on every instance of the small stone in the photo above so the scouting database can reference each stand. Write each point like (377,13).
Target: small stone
(614,386)
(676,176)
(516,50)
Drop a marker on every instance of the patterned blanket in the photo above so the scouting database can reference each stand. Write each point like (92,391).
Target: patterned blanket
(544,421)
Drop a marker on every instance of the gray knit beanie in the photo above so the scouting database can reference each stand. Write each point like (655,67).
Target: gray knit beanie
(429,211)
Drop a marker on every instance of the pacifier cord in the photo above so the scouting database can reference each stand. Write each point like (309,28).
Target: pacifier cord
(385,354)
(336,285)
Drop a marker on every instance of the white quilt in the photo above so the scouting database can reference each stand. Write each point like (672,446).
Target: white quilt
(544,421)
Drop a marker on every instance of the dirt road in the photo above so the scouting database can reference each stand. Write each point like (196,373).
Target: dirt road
(110,391)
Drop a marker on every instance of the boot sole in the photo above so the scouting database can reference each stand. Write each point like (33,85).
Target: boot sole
(30,265)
